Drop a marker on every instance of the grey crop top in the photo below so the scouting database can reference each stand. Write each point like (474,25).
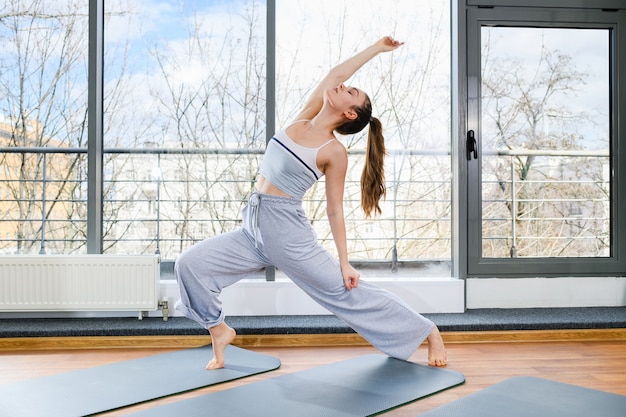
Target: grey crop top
(292,168)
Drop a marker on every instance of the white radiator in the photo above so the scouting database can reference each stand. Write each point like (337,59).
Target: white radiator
(79,283)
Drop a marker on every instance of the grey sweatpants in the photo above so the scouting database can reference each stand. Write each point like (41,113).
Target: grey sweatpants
(276,232)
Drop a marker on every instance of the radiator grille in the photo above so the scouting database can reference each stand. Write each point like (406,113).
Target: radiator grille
(78,283)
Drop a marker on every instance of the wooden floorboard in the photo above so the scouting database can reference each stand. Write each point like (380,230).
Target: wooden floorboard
(297,340)
(581,358)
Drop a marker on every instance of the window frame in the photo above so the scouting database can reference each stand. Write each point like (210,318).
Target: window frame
(476,265)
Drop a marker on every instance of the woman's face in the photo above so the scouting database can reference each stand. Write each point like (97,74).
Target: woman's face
(345,98)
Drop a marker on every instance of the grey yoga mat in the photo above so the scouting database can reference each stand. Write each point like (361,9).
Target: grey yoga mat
(363,386)
(527,396)
(107,387)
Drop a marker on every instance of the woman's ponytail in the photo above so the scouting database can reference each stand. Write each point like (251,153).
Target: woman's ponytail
(373,176)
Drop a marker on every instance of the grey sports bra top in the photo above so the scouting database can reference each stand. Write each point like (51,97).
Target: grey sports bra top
(292,168)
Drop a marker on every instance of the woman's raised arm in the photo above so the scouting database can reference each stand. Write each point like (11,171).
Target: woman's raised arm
(342,72)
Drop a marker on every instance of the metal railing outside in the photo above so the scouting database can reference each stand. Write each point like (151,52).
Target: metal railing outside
(164,200)
(561,209)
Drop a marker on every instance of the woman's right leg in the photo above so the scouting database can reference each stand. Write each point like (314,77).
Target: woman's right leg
(206,268)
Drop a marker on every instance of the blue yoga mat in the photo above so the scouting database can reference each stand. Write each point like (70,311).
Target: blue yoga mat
(103,388)
(527,396)
(363,386)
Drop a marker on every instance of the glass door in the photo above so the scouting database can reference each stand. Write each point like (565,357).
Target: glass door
(541,143)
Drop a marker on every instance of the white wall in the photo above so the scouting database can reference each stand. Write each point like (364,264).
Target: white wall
(430,295)
(546,292)
(282,297)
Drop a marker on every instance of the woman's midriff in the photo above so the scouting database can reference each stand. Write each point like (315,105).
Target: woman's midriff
(265,187)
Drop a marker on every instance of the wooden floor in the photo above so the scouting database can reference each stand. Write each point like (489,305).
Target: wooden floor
(593,364)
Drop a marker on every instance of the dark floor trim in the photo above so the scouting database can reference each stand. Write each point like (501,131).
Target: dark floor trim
(472,320)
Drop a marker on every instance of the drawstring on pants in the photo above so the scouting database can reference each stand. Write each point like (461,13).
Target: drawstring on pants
(255,201)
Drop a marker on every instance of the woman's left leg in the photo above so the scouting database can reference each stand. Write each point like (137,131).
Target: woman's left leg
(382,318)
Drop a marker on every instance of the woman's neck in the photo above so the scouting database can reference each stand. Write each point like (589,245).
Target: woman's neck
(325,122)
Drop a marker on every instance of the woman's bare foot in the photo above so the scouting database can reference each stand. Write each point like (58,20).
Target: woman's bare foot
(436,349)
(221,336)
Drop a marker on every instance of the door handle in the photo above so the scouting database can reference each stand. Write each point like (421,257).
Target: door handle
(472,147)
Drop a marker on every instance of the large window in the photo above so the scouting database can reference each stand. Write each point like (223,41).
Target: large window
(184,120)
(43,117)
(187,83)
(188,107)
(544,177)
(410,93)
(545,142)
(186,115)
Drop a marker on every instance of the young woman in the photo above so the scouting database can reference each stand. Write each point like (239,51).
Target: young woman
(276,231)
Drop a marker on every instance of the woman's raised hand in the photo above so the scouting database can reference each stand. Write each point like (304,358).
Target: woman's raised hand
(388,43)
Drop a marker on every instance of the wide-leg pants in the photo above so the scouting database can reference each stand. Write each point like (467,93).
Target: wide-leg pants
(276,232)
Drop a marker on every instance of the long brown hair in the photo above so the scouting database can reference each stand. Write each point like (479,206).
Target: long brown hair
(373,175)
